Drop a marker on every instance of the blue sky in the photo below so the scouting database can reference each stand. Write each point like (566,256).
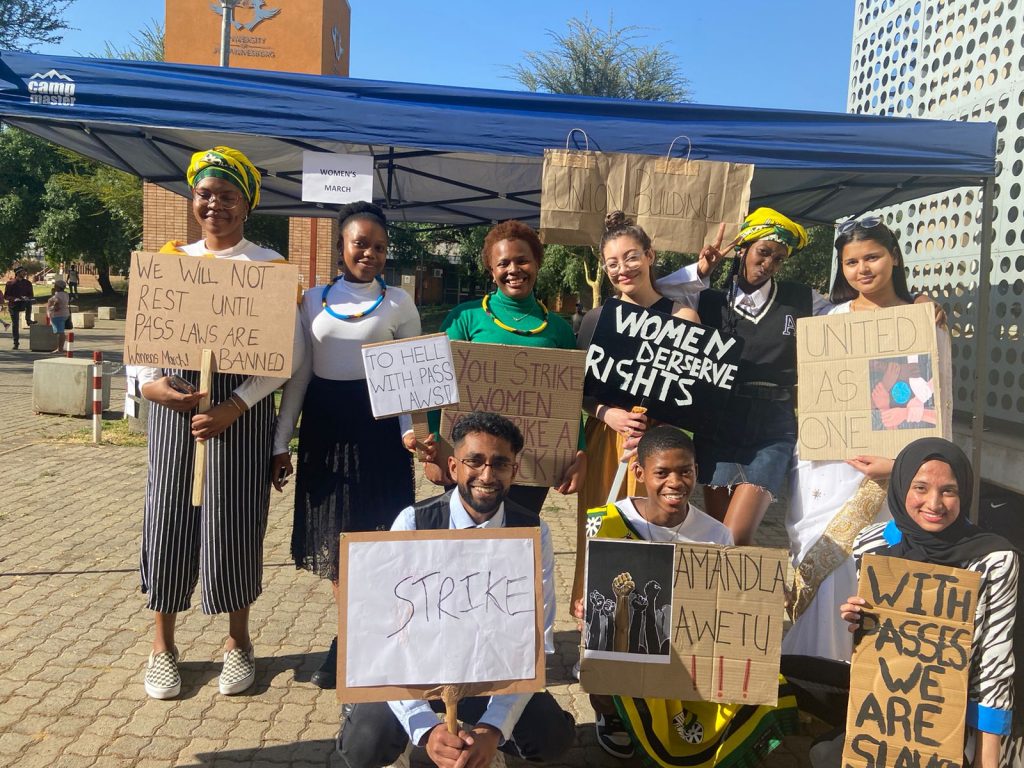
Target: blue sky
(791,54)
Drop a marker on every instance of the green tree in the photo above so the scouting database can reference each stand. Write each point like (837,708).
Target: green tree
(92,213)
(26,162)
(813,265)
(27,23)
(589,60)
(146,45)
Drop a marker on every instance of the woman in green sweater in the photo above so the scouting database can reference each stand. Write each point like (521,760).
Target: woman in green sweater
(512,254)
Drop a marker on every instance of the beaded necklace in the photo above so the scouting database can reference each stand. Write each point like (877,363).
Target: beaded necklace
(504,326)
(355,315)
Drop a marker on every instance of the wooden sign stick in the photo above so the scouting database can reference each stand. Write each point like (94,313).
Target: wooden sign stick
(620,473)
(199,470)
(450,695)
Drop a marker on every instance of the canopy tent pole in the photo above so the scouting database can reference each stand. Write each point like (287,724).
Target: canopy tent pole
(981,342)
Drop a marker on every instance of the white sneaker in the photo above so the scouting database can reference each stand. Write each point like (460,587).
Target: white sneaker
(162,680)
(239,672)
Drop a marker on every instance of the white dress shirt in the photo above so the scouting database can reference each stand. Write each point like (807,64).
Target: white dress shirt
(685,284)
(503,711)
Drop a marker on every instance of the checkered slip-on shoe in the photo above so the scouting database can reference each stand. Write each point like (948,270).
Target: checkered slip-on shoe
(162,679)
(239,671)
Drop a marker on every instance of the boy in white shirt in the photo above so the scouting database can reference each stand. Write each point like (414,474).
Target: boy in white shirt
(697,734)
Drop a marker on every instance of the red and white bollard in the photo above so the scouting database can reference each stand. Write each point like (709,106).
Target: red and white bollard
(97,397)
(69,344)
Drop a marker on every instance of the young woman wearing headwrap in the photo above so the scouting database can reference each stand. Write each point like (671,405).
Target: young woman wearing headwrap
(354,474)
(223,538)
(929,497)
(743,465)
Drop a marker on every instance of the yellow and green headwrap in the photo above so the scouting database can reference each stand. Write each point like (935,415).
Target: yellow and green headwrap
(768,224)
(228,164)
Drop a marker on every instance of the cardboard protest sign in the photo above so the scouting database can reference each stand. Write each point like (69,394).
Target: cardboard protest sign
(540,390)
(410,375)
(423,609)
(681,372)
(680,203)
(242,310)
(872,382)
(724,623)
(328,177)
(911,662)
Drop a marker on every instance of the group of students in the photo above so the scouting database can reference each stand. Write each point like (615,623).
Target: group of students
(354,472)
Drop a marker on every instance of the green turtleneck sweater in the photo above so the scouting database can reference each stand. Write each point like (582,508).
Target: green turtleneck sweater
(469,322)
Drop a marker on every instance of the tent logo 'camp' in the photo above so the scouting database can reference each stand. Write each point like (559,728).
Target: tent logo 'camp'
(51,88)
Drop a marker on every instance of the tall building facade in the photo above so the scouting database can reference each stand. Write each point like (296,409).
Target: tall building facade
(959,60)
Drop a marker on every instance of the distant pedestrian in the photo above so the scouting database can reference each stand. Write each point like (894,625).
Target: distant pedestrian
(3,307)
(58,309)
(73,283)
(577,318)
(18,293)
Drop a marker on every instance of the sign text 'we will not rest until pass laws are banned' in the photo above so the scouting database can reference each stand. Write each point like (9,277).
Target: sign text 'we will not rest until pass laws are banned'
(178,305)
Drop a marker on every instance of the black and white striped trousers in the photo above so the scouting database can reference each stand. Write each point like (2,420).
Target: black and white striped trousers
(222,540)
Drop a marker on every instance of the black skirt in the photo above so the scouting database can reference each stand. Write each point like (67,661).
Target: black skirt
(353,472)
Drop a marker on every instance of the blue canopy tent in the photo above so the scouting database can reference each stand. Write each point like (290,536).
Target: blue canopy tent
(459,156)
(462,155)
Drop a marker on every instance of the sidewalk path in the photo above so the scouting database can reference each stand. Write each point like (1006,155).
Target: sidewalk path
(74,632)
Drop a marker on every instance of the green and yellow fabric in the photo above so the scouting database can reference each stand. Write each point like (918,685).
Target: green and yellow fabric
(696,734)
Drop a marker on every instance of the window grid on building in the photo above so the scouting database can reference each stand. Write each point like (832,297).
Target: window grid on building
(957,60)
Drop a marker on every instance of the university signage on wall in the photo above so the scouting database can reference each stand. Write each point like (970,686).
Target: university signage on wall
(248,15)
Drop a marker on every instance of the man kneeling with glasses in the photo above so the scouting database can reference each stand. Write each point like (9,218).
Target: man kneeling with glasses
(529,726)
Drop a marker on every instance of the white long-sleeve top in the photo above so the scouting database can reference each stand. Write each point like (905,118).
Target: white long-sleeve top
(333,347)
(254,388)
(685,284)
(503,710)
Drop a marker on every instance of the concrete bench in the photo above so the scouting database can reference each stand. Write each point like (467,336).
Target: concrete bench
(83,320)
(41,337)
(64,385)
(106,313)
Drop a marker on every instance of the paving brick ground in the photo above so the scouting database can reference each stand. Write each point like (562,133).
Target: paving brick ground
(74,632)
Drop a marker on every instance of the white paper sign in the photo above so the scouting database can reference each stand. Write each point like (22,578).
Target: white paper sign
(434,612)
(331,178)
(410,375)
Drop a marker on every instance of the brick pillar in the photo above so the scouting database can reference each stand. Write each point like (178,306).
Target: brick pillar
(166,216)
(299,232)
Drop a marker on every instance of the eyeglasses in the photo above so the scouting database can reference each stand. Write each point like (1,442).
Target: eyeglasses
(226,200)
(867,222)
(498,465)
(631,260)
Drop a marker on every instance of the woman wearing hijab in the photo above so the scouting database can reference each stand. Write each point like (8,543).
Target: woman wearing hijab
(222,539)
(354,473)
(743,465)
(929,497)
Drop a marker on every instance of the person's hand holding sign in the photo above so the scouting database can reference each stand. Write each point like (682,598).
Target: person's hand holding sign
(711,255)
(851,611)
(626,423)
(216,420)
(465,750)
(574,475)
(172,392)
